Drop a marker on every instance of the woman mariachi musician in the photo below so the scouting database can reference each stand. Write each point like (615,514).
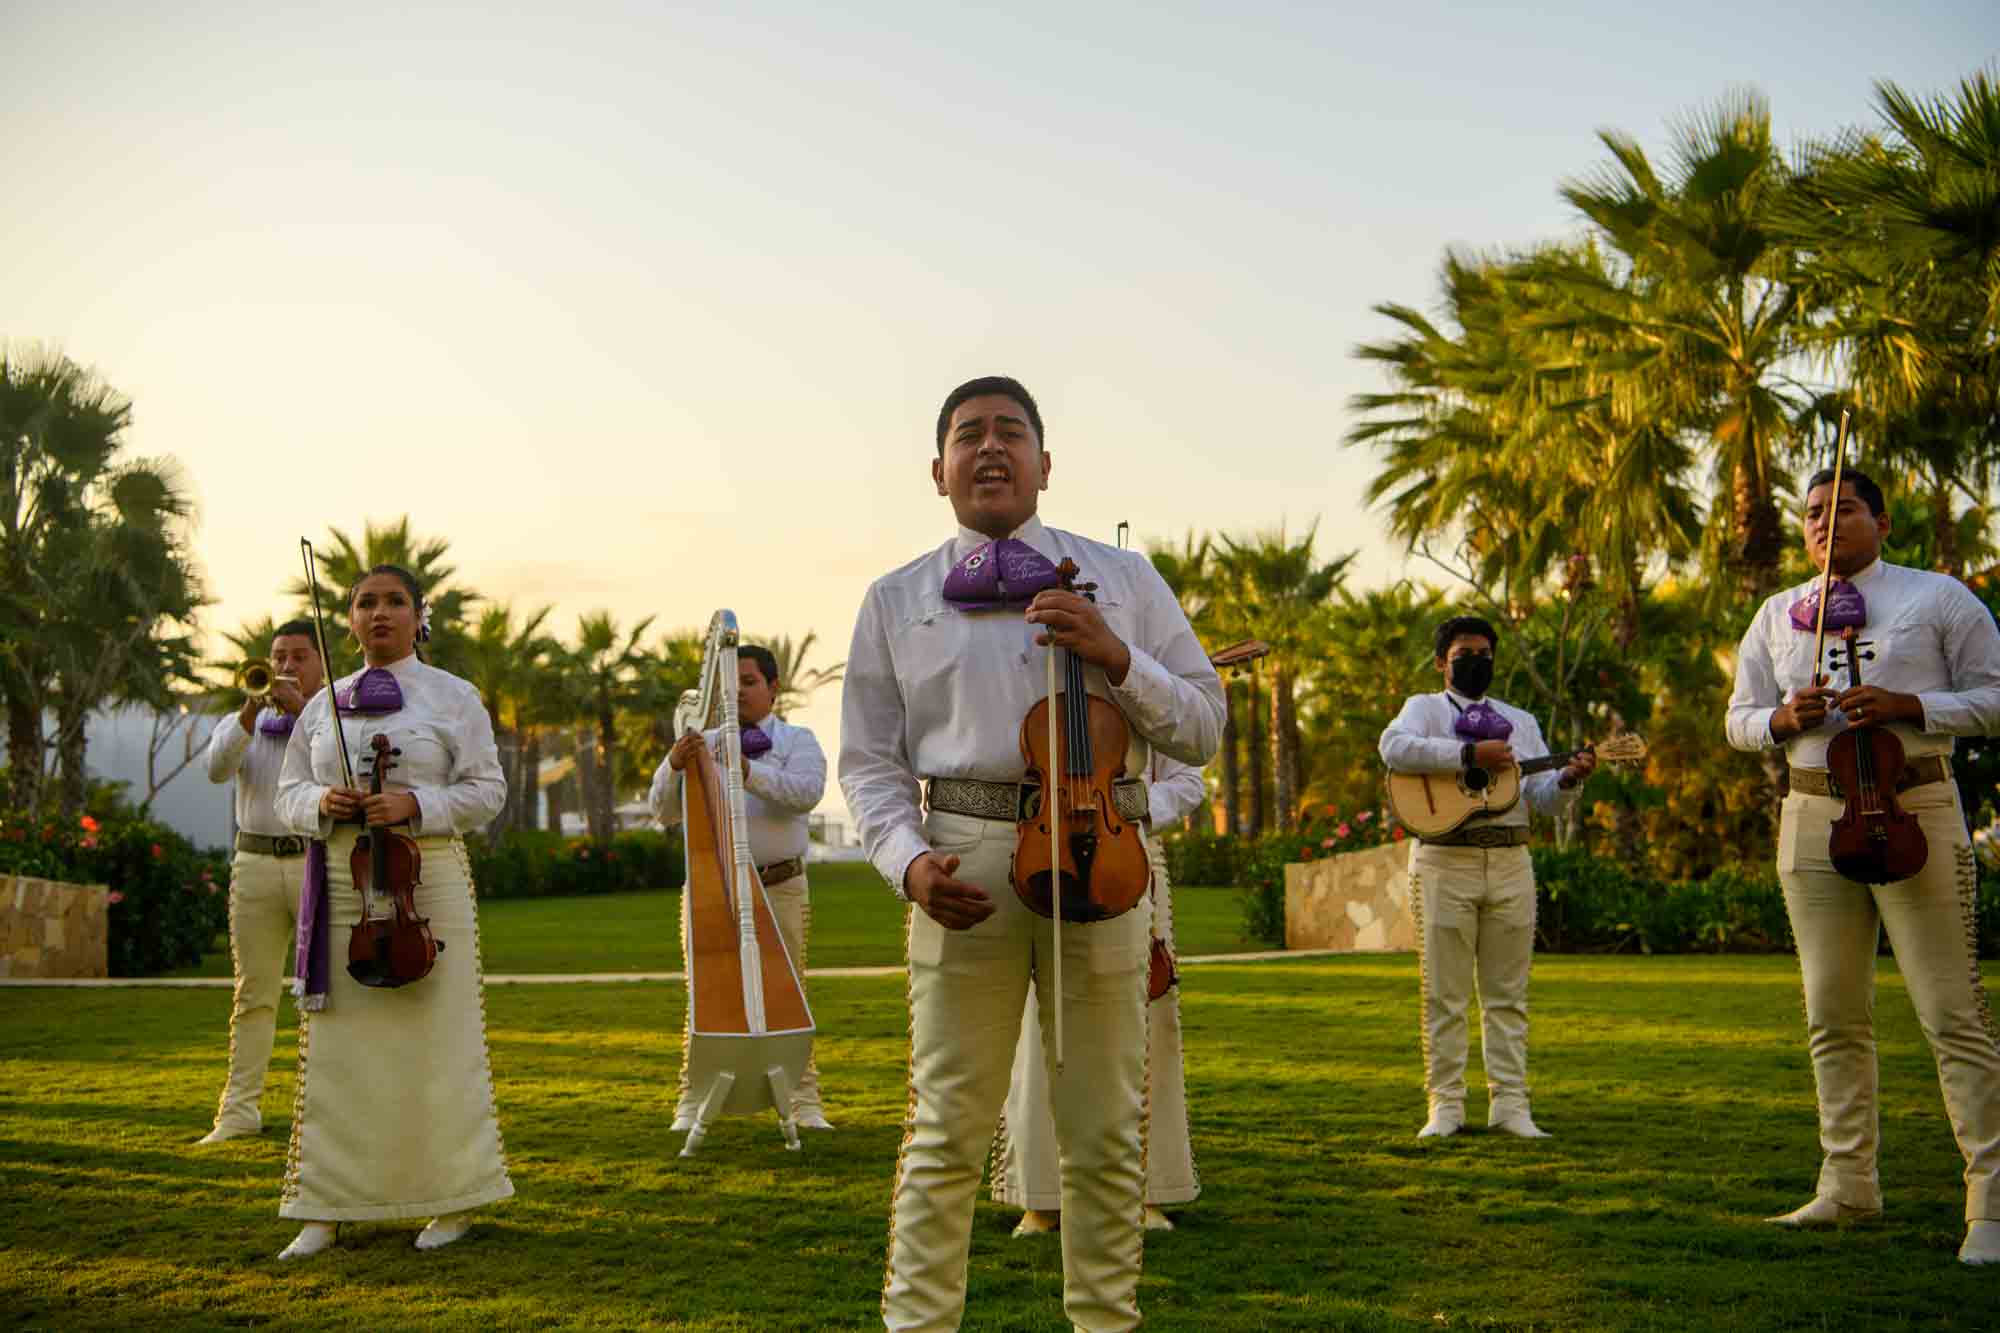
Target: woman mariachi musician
(394,1116)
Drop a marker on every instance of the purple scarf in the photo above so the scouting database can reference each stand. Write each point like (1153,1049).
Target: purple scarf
(310,967)
(275,724)
(373,692)
(1482,722)
(755,742)
(1006,573)
(1845,608)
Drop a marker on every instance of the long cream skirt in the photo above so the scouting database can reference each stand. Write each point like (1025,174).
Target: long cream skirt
(394,1116)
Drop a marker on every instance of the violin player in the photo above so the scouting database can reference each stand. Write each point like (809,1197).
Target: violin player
(1935,674)
(784,776)
(947,661)
(248,747)
(394,1116)
(1026,1173)
(1472,890)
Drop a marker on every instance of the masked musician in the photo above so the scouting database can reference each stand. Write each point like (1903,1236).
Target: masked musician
(784,774)
(395,1116)
(947,659)
(1026,1173)
(1935,674)
(248,747)
(1473,889)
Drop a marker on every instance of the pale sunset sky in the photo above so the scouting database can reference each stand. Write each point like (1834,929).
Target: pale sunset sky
(650,308)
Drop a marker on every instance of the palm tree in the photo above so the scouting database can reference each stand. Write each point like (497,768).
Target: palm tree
(1188,571)
(1706,312)
(499,658)
(600,671)
(342,562)
(796,683)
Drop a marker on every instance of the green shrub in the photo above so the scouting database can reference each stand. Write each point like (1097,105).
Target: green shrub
(1200,857)
(532,864)
(169,900)
(1588,904)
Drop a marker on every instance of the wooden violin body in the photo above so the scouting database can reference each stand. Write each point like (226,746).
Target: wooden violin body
(394,948)
(1875,840)
(1103,870)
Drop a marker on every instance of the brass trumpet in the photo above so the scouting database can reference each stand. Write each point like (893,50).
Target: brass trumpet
(255,678)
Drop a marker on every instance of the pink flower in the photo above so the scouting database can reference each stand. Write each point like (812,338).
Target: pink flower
(116,897)
(1343,830)
(213,888)
(1364,816)
(1327,842)
(1306,854)
(1396,834)
(158,851)
(87,824)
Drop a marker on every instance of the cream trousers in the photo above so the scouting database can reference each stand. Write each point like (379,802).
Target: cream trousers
(967,989)
(263,918)
(1930,922)
(1026,1172)
(1475,927)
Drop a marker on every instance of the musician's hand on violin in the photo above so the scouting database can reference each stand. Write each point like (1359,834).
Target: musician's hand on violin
(1578,770)
(684,750)
(1873,706)
(1493,755)
(952,903)
(389,807)
(1803,712)
(1071,620)
(342,804)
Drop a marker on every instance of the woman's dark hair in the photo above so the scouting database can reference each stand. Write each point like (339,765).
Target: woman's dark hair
(766,660)
(1865,489)
(1457,625)
(299,629)
(403,576)
(979,388)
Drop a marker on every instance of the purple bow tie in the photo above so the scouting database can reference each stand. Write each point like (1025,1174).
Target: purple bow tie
(278,724)
(373,692)
(1845,608)
(1482,722)
(1005,573)
(755,742)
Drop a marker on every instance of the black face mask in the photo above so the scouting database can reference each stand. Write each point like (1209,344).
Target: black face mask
(1471,674)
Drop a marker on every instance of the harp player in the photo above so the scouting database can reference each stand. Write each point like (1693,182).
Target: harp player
(947,658)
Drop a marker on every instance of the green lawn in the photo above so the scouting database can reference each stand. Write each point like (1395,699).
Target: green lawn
(856,922)
(1677,1088)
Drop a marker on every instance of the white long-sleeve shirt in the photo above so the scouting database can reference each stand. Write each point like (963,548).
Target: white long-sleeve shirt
(1172,790)
(1931,637)
(934,692)
(783,786)
(448,761)
(1422,740)
(255,761)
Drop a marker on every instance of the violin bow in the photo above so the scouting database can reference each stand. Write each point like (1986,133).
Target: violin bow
(1832,526)
(333,700)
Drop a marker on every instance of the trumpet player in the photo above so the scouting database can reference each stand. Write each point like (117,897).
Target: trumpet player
(248,747)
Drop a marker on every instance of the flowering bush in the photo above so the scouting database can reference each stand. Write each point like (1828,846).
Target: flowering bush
(169,900)
(531,864)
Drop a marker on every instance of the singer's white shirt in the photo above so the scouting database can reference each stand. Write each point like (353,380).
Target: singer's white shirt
(931,691)
(1422,739)
(255,761)
(783,786)
(1931,637)
(448,761)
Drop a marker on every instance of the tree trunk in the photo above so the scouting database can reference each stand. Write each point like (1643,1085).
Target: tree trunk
(509,745)
(607,785)
(531,781)
(1944,533)
(24,756)
(1254,723)
(1759,537)
(72,779)
(1284,750)
(589,777)
(1232,789)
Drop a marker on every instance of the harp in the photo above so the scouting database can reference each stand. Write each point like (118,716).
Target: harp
(749,1030)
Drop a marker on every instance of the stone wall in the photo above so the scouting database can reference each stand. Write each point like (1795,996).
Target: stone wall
(50,929)
(1357,903)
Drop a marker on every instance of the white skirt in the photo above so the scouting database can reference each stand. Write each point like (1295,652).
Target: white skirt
(394,1116)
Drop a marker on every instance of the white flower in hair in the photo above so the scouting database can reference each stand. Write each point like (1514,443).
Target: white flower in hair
(424,623)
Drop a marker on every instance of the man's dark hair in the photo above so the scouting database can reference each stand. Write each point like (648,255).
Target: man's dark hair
(302,629)
(766,660)
(979,388)
(1457,625)
(1865,488)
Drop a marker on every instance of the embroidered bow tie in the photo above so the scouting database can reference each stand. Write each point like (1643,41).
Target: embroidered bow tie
(1482,722)
(755,742)
(1006,573)
(373,692)
(1845,608)
(275,724)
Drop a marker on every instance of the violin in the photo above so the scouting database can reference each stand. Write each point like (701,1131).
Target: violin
(1075,849)
(391,947)
(1875,840)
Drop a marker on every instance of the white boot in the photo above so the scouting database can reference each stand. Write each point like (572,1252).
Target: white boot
(1038,1222)
(1520,1124)
(222,1134)
(312,1239)
(1982,1243)
(1447,1119)
(1822,1213)
(1157,1220)
(442,1231)
(813,1117)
